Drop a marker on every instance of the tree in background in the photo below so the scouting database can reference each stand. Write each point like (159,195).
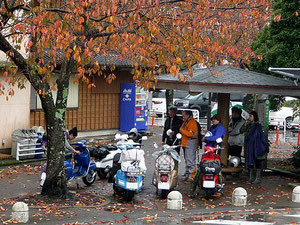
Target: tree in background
(279,44)
(156,36)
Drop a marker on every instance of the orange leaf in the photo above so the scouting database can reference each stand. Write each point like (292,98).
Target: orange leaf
(81,20)
(178,61)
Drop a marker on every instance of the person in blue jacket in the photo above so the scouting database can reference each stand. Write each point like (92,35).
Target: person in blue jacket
(217,130)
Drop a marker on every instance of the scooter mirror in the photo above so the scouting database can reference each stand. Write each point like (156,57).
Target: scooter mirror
(219,140)
(117,136)
(178,136)
(155,145)
(144,138)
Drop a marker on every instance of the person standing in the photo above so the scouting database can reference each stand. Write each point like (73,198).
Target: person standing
(217,130)
(256,147)
(189,142)
(171,128)
(235,138)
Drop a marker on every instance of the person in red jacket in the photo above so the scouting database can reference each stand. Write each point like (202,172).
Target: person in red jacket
(189,142)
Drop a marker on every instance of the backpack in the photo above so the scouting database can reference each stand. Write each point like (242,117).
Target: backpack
(199,134)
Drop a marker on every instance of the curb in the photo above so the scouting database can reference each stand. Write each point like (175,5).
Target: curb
(285,173)
(13,162)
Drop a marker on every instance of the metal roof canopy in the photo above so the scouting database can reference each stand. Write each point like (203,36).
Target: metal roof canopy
(228,79)
(288,72)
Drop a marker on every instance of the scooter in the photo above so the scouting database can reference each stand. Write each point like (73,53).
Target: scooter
(165,177)
(83,166)
(129,179)
(104,156)
(208,173)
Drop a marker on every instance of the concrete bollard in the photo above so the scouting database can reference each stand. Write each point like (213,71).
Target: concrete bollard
(296,194)
(174,200)
(20,212)
(239,197)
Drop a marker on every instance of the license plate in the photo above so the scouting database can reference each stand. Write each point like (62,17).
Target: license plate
(209,184)
(163,185)
(133,186)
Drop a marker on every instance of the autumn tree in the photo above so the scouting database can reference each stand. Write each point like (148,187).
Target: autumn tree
(156,36)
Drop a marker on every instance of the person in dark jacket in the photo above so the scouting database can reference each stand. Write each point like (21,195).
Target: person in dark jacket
(235,138)
(171,128)
(217,131)
(256,147)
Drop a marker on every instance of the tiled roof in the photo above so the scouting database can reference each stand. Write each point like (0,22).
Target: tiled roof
(231,76)
(103,60)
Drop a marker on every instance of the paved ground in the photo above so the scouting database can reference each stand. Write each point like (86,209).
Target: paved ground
(268,202)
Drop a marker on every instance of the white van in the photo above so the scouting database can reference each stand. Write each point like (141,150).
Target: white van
(159,100)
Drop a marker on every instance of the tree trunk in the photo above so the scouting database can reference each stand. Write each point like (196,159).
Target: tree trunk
(169,99)
(55,184)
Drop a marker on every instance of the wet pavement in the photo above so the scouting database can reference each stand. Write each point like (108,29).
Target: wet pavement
(270,202)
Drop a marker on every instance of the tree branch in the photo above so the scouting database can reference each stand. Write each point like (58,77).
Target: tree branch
(21,63)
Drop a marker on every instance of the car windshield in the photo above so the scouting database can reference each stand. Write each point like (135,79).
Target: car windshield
(180,94)
(177,94)
(159,94)
(191,97)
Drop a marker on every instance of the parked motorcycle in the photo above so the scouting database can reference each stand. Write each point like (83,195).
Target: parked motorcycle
(208,175)
(83,166)
(104,156)
(165,177)
(129,179)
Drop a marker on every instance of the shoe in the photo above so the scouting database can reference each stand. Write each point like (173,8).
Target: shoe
(188,180)
(258,177)
(252,175)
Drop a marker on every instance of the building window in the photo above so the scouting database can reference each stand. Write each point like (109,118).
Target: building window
(73,97)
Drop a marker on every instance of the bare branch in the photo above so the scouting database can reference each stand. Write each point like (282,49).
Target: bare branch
(57,10)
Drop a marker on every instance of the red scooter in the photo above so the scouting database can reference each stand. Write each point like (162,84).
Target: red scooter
(208,175)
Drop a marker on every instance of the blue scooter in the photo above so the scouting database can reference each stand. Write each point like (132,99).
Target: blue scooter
(129,179)
(83,168)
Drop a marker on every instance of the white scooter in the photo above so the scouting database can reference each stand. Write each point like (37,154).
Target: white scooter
(105,155)
(165,177)
(130,170)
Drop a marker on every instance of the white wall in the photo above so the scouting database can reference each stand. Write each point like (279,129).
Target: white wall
(14,113)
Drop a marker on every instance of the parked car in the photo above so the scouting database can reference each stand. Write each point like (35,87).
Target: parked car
(200,102)
(159,100)
(284,114)
(232,104)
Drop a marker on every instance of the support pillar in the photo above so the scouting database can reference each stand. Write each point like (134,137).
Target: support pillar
(223,112)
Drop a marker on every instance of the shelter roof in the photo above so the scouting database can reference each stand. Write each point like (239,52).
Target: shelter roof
(228,79)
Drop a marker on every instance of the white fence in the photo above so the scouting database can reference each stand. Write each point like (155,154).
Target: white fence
(28,150)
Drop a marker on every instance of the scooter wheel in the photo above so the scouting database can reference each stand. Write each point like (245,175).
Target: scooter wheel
(164,194)
(208,194)
(129,196)
(101,173)
(90,178)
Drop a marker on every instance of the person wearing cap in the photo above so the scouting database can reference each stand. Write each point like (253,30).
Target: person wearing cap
(217,130)
(135,135)
(189,142)
(171,128)
(70,135)
(235,138)
(256,147)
